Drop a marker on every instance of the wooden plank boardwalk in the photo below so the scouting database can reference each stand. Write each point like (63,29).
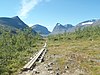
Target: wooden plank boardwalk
(38,57)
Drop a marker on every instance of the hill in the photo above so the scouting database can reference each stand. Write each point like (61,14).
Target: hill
(40,29)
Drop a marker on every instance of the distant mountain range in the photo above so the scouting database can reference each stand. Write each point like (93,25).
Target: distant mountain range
(59,28)
(17,23)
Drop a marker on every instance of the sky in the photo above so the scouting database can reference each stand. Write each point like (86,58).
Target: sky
(50,12)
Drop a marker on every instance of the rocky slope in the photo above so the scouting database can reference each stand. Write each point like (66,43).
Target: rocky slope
(59,28)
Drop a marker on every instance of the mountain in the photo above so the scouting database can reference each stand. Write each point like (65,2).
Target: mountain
(92,22)
(86,23)
(14,22)
(97,22)
(59,28)
(68,26)
(40,29)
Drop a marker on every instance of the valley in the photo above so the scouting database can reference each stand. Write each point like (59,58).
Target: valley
(49,37)
(68,53)
(70,57)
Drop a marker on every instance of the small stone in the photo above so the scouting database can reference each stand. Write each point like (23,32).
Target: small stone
(51,63)
(51,72)
(34,70)
(50,69)
(57,73)
(37,72)
(30,58)
(57,69)
(66,67)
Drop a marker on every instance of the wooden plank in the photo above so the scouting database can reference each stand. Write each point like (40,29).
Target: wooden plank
(45,45)
(42,56)
(33,60)
(37,56)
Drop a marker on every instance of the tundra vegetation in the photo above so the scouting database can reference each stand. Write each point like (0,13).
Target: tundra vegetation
(77,50)
(16,47)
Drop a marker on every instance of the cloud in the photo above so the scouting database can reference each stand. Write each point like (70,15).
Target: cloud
(27,6)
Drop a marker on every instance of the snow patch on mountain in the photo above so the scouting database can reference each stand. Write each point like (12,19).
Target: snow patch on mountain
(87,23)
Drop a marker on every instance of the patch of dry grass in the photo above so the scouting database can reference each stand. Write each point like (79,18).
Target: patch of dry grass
(84,54)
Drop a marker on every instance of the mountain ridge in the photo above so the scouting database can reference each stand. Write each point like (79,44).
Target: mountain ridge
(60,29)
(14,22)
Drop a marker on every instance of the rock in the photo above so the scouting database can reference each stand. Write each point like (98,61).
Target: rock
(51,72)
(57,73)
(50,69)
(66,67)
(57,69)
(30,58)
(35,71)
(51,63)
(46,66)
